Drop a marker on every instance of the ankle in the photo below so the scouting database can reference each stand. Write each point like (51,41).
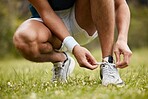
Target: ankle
(108,59)
(61,57)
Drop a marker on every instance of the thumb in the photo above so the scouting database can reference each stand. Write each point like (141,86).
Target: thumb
(89,66)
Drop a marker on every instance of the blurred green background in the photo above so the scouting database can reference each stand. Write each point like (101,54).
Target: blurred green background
(14,12)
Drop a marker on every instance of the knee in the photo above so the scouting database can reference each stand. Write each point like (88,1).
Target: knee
(17,39)
(22,37)
(25,43)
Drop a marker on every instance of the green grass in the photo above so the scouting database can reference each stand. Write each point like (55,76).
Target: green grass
(21,79)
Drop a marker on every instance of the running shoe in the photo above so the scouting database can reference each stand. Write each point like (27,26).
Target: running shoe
(109,73)
(61,70)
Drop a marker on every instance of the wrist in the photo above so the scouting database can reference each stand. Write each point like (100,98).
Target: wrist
(122,38)
(69,42)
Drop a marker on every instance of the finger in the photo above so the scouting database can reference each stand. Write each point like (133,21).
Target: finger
(127,57)
(90,59)
(87,65)
(121,65)
(125,61)
(117,54)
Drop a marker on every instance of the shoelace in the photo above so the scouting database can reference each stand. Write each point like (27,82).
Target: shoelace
(111,70)
(99,63)
(57,70)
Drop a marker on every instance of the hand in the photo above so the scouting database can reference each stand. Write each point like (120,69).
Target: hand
(84,57)
(121,48)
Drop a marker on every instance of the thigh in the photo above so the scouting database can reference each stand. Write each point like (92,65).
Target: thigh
(36,31)
(83,16)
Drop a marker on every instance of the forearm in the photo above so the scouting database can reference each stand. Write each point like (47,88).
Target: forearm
(50,19)
(54,23)
(123,21)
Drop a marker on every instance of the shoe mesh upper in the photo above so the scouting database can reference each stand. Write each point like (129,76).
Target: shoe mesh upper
(109,74)
(61,70)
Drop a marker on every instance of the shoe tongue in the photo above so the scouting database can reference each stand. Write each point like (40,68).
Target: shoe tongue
(108,59)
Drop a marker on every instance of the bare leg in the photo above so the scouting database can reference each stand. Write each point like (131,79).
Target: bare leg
(83,16)
(104,18)
(36,42)
(100,15)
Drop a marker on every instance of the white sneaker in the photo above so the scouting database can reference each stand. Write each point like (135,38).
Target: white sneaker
(110,75)
(61,70)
